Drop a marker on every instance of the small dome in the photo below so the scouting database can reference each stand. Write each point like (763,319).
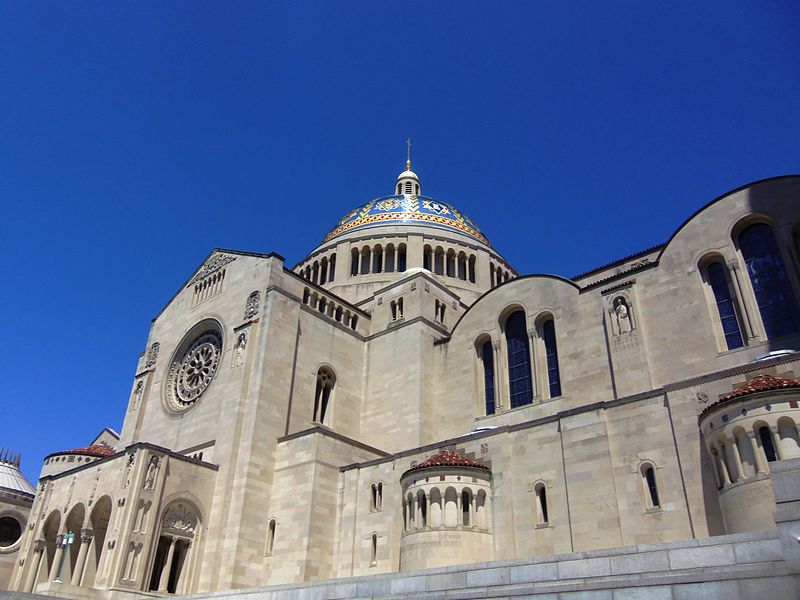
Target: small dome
(407,174)
(448,458)
(11,479)
(759,383)
(98,450)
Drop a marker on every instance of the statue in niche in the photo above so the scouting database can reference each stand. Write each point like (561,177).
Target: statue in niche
(152,473)
(238,351)
(137,396)
(623,315)
(129,470)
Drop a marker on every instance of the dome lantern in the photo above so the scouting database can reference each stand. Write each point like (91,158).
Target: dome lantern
(407,182)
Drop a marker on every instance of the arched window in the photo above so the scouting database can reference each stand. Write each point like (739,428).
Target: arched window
(315,272)
(650,487)
(399,188)
(519,360)
(438,261)
(325,382)
(389,267)
(408,187)
(466,503)
(771,285)
(393,306)
(332,267)
(416,189)
(365,260)
(451,263)
(270,537)
(339,314)
(323,271)
(354,322)
(551,353)
(401,258)
(376,490)
(306,295)
(487,358)
(373,550)
(765,435)
(472,268)
(377,259)
(718,280)
(400,307)
(422,502)
(427,255)
(354,262)
(542,517)
(462,266)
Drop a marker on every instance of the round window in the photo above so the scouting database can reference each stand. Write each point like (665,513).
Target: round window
(10,531)
(192,368)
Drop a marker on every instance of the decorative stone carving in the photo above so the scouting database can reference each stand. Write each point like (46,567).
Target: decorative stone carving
(702,397)
(623,315)
(238,350)
(191,374)
(251,308)
(152,355)
(215,263)
(152,474)
(180,519)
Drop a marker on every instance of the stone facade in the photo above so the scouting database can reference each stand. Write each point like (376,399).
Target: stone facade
(279,417)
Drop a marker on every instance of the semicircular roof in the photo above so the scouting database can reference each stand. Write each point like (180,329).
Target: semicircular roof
(411,210)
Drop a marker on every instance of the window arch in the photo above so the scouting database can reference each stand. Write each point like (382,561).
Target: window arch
(373,561)
(354,259)
(648,472)
(466,508)
(486,355)
(519,360)
(548,331)
(717,278)
(770,280)
(401,258)
(326,380)
(767,444)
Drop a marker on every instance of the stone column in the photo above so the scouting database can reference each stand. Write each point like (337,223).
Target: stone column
(759,457)
(747,319)
(776,441)
(57,557)
(723,468)
(86,539)
(499,388)
(163,580)
(534,371)
(33,568)
(737,458)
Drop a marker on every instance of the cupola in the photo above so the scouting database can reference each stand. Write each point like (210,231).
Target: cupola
(408,182)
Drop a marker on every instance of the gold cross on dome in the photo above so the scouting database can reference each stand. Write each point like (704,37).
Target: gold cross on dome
(408,162)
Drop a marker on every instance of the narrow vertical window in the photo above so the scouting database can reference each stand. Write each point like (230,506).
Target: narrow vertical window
(426,258)
(542,517)
(519,361)
(718,280)
(374,550)
(551,351)
(472,268)
(373,496)
(399,188)
(393,306)
(400,307)
(332,267)
(401,258)
(270,536)
(379,496)
(487,358)
(771,285)
(325,383)
(651,489)
(423,509)
(766,443)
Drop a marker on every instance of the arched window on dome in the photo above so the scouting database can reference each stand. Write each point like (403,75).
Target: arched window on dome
(377,259)
(399,188)
(767,444)
(354,259)
(486,354)
(462,266)
(323,271)
(471,269)
(438,261)
(365,256)
(519,360)
(326,381)
(408,188)
(416,189)
(717,277)
(451,263)
(401,258)
(771,285)
(389,265)
(315,272)
(427,258)
(491,275)
(332,267)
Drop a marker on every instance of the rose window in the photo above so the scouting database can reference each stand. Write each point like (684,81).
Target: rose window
(192,372)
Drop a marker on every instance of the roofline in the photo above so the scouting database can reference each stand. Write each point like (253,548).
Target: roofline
(202,262)
(618,261)
(720,197)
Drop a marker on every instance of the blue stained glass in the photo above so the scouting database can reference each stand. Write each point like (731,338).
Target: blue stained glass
(553,376)
(771,285)
(727,312)
(488,376)
(519,361)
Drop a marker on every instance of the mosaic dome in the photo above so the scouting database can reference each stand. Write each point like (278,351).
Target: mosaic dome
(412,210)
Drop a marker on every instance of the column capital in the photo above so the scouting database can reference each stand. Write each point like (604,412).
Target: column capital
(39,545)
(86,535)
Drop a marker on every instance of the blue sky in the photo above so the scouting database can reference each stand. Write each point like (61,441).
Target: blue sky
(134,137)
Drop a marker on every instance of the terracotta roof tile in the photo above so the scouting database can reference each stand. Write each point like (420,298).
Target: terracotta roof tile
(759,383)
(100,450)
(448,458)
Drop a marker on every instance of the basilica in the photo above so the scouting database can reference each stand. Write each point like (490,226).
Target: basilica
(404,399)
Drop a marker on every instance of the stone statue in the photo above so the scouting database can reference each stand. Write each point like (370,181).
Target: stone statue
(238,352)
(152,473)
(623,315)
(137,395)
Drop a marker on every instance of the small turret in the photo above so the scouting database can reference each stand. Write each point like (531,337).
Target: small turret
(408,182)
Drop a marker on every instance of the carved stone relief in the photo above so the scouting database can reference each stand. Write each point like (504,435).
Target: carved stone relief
(180,519)
(138,392)
(152,474)
(152,355)
(251,308)
(214,263)
(126,482)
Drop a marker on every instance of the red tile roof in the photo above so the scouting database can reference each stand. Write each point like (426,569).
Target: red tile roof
(759,383)
(448,458)
(100,450)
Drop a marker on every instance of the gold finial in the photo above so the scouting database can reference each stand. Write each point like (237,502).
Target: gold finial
(408,161)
